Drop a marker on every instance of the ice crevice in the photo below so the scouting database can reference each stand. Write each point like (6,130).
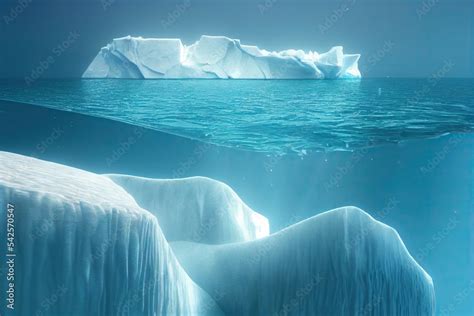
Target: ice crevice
(125,245)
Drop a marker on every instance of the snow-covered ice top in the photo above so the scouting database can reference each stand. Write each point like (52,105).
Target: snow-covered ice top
(216,57)
(196,209)
(86,245)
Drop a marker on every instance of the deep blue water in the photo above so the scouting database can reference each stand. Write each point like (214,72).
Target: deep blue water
(275,116)
(373,143)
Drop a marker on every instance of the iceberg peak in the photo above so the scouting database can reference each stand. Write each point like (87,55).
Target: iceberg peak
(216,57)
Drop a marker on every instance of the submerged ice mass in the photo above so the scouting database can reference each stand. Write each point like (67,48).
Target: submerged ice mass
(216,57)
(341,262)
(196,209)
(124,245)
(82,241)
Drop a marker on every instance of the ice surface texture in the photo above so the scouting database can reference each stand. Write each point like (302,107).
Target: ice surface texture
(341,262)
(216,57)
(84,247)
(196,209)
(87,246)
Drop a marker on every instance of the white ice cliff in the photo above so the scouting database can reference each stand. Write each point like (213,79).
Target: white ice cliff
(84,247)
(100,245)
(216,57)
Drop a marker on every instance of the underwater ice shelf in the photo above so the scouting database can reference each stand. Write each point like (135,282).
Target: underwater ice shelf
(105,249)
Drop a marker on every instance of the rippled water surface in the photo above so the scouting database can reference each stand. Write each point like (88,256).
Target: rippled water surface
(272,116)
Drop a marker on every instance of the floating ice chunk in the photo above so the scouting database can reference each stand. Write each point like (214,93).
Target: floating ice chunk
(350,68)
(342,262)
(215,57)
(196,209)
(83,243)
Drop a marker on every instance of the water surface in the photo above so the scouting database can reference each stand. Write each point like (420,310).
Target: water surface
(275,116)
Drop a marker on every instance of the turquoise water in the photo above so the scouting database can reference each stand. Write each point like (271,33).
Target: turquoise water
(409,178)
(269,116)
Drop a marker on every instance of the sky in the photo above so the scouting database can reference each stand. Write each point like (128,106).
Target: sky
(397,38)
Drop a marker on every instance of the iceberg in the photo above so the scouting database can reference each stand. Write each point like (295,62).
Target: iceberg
(90,244)
(215,57)
(341,262)
(83,246)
